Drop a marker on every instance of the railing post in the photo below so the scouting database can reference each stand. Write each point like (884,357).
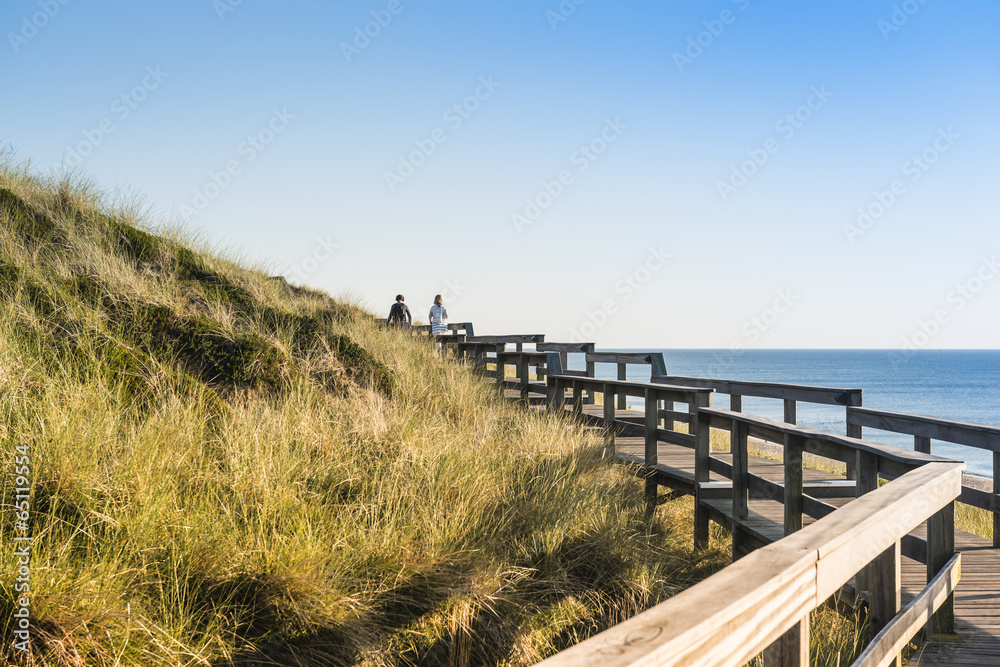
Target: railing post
(853,431)
(522,371)
(794,445)
(651,453)
(622,376)
(577,399)
(996,489)
(609,416)
(791,649)
(921,444)
(881,578)
(940,549)
(741,487)
(590,373)
(790,411)
(735,403)
(702,472)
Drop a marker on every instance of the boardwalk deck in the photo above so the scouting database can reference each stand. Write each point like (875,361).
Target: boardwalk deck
(977,599)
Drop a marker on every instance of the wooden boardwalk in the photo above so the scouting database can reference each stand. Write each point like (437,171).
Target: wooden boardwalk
(773,509)
(977,600)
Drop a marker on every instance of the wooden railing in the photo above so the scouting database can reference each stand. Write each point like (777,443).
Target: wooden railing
(453,328)
(652,394)
(790,394)
(761,603)
(623,360)
(924,429)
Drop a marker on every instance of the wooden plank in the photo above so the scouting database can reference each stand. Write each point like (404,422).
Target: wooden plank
(792,649)
(794,392)
(996,491)
(702,454)
(771,429)
(502,340)
(622,376)
(790,411)
(651,450)
(940,549)
(609,414)
(884,649)
(794,445)
(565,347)
(971,434)
(765,593)
(646,358)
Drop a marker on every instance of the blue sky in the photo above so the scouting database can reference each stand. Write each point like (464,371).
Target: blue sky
(641,174)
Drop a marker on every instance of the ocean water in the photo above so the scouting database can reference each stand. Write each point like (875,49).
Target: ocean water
(954,384)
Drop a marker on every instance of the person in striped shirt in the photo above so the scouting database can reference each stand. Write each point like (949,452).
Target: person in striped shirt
(438,317)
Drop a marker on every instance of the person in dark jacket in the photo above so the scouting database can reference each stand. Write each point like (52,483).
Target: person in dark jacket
(399,314)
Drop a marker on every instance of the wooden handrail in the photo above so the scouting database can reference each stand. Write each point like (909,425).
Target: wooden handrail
(571,348)
(924,428)
(766,596)
(971,434)
(783,391)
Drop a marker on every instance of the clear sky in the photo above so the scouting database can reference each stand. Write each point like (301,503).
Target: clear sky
(640,174)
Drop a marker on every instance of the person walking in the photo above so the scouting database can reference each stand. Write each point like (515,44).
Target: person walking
(399,314)
(438,318)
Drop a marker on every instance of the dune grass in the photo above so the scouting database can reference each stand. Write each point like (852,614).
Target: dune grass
(226,470)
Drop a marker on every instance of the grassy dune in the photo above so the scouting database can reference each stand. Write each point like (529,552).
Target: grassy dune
(225,470)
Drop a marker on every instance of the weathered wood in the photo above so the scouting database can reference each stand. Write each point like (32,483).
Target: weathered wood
(735,614)
(790,415)
(940,550)
(736,403)
(647,358)
(741,486)
(791,649)
(830,445)
(707,625)
(921,444)
(884,649)
(609,415)
(972,434)
(564,348)
(651,450)
(622,376)
(503,340)
(794,445)
(702,454)
(794,392)
(996,492)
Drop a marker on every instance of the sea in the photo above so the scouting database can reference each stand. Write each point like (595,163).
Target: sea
(955,384)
